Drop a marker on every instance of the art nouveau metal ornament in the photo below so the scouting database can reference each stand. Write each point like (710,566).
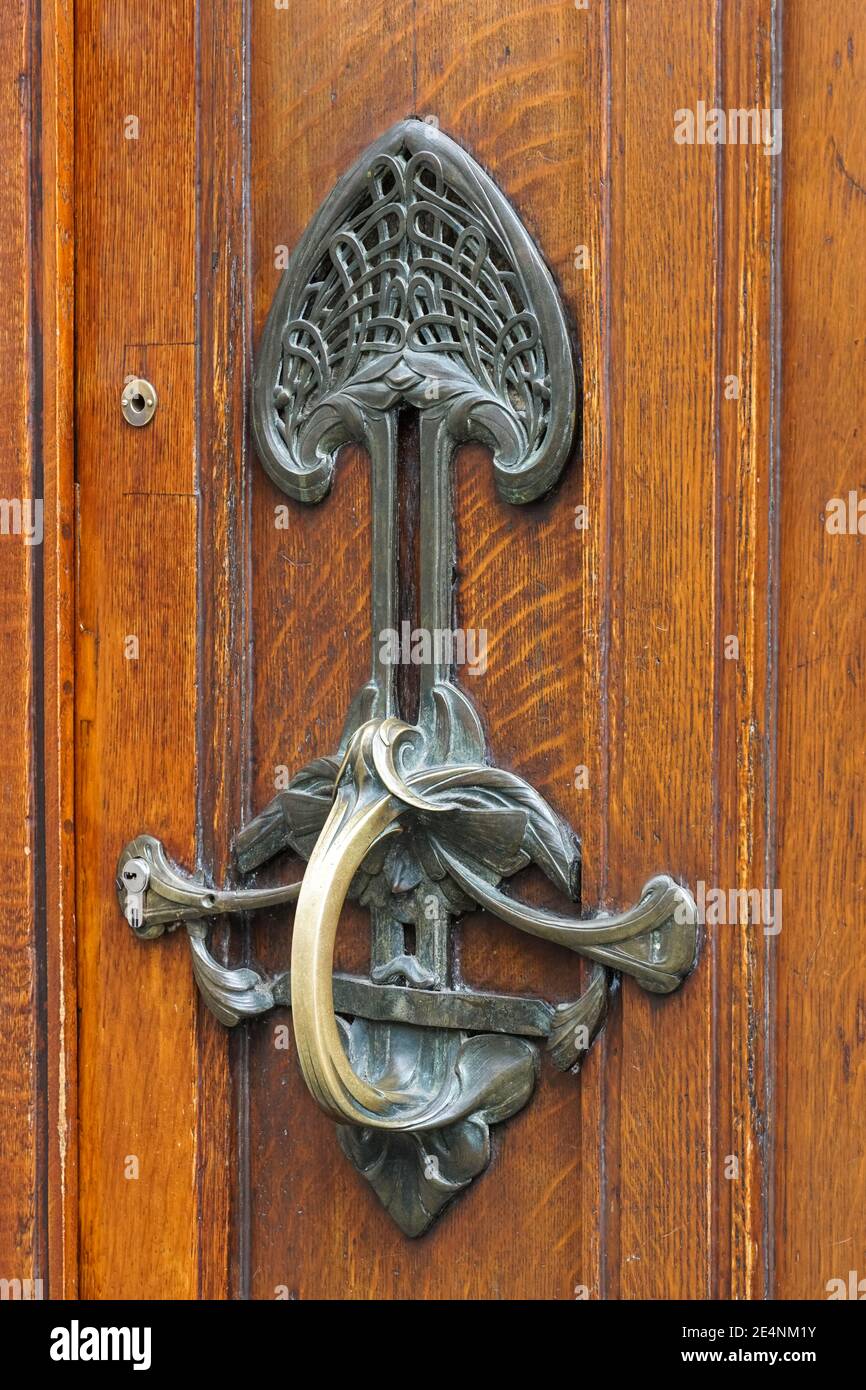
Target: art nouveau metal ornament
(415,285)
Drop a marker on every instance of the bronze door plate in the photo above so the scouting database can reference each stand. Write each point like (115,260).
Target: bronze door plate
(414,286)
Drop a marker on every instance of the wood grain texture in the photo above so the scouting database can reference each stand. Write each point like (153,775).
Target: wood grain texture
(135,718)
(591,288)
(746,562)
(58,635)
(38,1206)
(22,981)
(658,1129)
(180,493)
(223,762)
(820,1165)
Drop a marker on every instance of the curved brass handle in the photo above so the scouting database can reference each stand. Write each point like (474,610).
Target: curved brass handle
(484,1075)
(360,815)
(655,940)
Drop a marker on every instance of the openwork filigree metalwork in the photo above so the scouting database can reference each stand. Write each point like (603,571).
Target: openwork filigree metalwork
(415,285)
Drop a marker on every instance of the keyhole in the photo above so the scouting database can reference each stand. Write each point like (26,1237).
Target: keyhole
(138,401)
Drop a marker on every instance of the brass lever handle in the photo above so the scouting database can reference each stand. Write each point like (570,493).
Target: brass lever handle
(154,893)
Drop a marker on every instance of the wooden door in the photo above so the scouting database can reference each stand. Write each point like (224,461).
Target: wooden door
(675,635)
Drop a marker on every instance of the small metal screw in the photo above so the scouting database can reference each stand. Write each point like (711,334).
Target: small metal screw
(138,401)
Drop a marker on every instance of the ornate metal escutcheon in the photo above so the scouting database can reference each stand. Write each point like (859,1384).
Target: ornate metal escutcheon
(415,285)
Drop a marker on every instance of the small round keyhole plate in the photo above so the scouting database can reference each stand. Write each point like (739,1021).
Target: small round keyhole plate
(138,401)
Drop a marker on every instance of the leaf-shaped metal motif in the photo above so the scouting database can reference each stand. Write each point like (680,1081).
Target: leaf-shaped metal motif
(415,282)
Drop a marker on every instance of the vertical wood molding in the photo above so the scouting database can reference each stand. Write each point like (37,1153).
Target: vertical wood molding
(741,953)
(58,396)
(588,726)
(820,1063)
(22,1076)
(137,577)
(658,1131)
(38,1214)
(222,380)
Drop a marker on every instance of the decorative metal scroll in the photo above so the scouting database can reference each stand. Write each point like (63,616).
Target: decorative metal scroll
(415,285)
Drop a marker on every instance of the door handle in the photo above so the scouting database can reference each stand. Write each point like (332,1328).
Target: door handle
(372,795)
(415,285)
